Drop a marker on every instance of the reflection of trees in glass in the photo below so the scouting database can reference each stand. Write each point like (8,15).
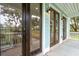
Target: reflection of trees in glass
(35,28)
(51,21)
(74,24)
(1,35)
(14,23)
(35,24)
(57,22)
(11,26)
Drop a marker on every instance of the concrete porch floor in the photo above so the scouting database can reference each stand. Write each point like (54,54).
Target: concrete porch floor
(67,48)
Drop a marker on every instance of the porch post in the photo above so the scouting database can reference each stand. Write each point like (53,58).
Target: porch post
(68,27)
(60,29)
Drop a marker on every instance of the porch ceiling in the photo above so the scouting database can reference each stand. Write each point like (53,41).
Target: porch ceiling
(70,9)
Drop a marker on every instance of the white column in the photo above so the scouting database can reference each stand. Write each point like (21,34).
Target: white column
(68,27)
(60,30)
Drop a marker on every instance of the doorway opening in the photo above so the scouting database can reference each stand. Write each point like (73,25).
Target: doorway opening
(54,27)
(64,27)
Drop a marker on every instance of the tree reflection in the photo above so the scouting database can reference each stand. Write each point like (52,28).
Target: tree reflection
(11,26)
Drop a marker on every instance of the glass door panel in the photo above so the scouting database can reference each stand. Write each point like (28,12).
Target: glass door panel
(51,28)
(11,29)
(54,27)
(57,27)
(35,27)
(64,28)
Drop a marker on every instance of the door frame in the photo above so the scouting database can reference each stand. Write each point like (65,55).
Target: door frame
(64,25)
(25,29)
(40,49)
(26,16)
(55,12)
(55,26)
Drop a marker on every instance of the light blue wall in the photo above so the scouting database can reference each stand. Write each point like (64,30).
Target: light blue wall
(45,29)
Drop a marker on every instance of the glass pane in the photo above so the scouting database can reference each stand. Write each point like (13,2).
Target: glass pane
(64,28)
(11,29)
(35,27)
(51,28)
(57,19)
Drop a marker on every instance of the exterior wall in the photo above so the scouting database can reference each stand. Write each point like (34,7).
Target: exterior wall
(60,22)
(46,27)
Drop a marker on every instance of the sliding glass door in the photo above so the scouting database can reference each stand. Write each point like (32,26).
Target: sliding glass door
(64,28)
(54,27)
(35,27)
(57,27)
(20,29)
